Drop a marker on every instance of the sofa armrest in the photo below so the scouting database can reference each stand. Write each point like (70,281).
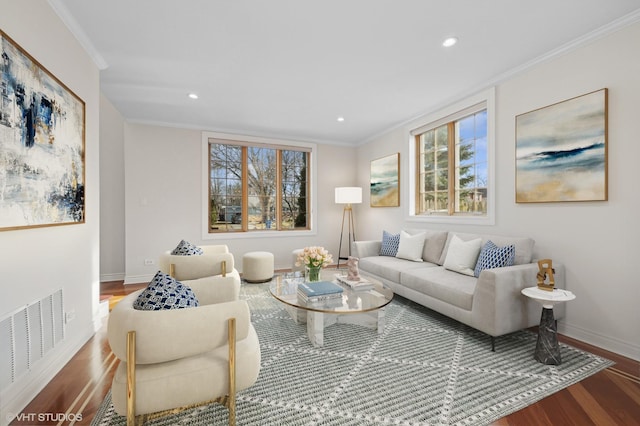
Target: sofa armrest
(172,334)
(368,248)
(498,299)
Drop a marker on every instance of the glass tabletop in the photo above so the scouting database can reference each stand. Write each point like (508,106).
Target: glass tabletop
(285,288)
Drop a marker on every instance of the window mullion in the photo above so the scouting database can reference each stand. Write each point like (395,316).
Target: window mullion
(419,206)
(278,217)
(245,190)
(452,167)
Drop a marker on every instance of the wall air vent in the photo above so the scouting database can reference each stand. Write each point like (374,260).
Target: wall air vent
(28,334)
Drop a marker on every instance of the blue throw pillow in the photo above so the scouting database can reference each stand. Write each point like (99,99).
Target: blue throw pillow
(185,248)
(164,292)
(492,256)
(390,244)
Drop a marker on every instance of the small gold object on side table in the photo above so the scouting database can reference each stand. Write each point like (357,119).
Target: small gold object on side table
(546,270)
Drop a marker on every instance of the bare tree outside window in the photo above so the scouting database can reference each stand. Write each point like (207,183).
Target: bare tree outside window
(257,188)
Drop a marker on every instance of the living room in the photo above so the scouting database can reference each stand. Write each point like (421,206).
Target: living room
(135,170)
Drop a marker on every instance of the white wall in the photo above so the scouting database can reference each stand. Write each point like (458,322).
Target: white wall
(163,179)
(36,262)
(112,253)
(596,241)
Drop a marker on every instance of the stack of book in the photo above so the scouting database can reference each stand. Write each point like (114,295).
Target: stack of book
(319,291)
(355,285)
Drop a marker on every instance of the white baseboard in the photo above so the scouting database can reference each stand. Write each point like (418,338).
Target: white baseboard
(138,279)
(112,277)
(19,394)
(627,349)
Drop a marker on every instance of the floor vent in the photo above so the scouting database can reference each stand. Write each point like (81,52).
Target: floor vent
(28,334)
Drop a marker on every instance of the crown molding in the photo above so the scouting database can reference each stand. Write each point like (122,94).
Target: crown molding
(597,34)
(63,13)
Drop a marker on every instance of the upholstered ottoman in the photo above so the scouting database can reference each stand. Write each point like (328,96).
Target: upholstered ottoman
(257,266)
(294,257)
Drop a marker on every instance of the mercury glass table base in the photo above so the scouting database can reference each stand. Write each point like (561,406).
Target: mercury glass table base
(547,347)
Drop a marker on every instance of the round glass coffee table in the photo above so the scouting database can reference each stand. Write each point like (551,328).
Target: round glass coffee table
(361,307)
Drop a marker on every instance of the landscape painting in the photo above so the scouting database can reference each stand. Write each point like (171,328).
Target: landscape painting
(42,167)
(561,151)
(384,182)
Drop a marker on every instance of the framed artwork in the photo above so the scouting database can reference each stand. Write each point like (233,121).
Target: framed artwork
(42,143)
(385,181)
(561,151)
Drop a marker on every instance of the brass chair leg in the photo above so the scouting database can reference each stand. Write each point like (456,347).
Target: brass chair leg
(232,372)
(131,378)
(131,375)
(224,268)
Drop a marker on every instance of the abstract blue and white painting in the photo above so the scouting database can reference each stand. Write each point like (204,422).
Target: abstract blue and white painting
(42,168)
(561,151)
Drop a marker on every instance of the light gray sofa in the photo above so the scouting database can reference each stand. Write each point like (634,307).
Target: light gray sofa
(491,303)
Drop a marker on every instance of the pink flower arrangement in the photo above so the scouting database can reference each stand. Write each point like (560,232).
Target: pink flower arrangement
(314,257)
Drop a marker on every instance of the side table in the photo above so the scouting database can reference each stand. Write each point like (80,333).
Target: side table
(547,347)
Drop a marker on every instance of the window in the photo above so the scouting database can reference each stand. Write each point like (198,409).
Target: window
(453,152)
(257,187)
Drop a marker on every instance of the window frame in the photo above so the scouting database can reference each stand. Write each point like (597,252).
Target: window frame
(438,118)
(266,143)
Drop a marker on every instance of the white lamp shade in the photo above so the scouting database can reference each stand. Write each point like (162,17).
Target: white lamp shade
(349,195)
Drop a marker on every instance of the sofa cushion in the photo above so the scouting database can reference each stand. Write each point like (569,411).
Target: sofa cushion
(523,245)
(492,256)
(462,256)
(389,268)
(442,284)
(164,292)
(390,243)
(433,244)
(411,246)
(185,248)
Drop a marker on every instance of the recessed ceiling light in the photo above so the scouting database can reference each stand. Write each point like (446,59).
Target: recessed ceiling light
(340,119)
(450,41)
(193,96)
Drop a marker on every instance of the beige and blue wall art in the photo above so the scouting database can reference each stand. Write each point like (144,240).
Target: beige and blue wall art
(561,151)
(42,167)
(384,181)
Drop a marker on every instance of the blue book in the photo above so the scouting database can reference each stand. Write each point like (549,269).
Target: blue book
(319,288)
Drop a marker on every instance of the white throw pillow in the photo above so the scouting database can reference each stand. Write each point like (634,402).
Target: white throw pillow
(462,255)
(411,246)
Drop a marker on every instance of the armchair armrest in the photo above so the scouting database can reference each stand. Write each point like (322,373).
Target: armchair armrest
(366,248)
(215,249)
(168,335)
(216,289)
(194,267)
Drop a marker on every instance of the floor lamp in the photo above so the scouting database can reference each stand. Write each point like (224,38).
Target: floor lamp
(347,195)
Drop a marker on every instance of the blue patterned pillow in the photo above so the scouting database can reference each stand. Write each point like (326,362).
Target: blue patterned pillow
(164,292)
(390,244)
(492,256)
(187,249)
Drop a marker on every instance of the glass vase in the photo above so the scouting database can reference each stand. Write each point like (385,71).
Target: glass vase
(313,273)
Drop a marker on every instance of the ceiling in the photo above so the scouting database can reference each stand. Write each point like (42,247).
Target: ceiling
(289,68)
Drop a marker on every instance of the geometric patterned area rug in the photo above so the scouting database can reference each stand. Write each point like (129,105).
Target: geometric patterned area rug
(424,369)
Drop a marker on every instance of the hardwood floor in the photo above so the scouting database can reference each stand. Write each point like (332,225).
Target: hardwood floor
(610,397)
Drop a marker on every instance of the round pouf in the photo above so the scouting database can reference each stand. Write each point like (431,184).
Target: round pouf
(257,266)
(294,257)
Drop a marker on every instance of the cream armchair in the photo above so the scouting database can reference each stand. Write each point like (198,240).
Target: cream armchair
(216,260)
(183,357)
